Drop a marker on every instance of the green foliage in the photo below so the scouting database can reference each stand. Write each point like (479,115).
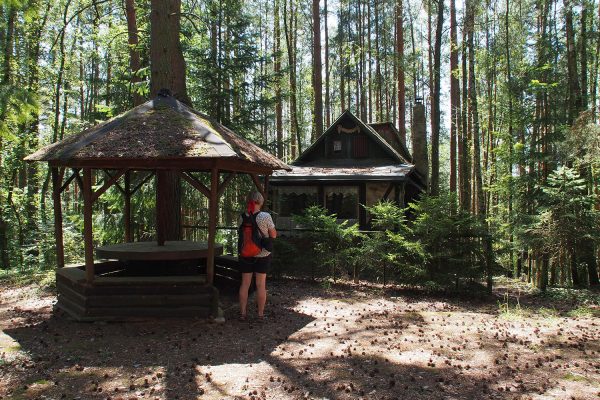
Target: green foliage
(566,214)
(333,242)
(451,237)
(392,248)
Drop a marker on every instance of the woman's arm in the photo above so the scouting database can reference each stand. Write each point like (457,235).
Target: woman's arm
(272,233)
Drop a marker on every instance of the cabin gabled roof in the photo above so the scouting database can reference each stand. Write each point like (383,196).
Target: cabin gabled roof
(163,132)
(368,130)
(403,150)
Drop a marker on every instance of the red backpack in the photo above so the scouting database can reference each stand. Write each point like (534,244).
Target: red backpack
(249,239)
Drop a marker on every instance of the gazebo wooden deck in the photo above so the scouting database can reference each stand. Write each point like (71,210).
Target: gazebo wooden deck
(170,141)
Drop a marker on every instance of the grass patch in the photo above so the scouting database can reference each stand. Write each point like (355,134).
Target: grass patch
(577,378)
(584,311)
(578,296)
(13,349)
(44,279)
(547,312)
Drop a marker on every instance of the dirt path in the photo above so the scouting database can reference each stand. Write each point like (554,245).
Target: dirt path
(335,343)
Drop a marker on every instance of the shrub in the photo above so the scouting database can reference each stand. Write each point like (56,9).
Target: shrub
(333,242)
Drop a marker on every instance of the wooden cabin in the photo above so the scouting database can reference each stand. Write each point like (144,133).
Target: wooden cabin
(352,163)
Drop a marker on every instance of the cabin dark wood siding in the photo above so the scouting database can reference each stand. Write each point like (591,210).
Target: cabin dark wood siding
(360,147)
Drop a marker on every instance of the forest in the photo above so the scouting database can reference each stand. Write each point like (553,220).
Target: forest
(510,88)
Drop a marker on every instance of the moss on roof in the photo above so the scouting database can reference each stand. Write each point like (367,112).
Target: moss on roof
(160,128)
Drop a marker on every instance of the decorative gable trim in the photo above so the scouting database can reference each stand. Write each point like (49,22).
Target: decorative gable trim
(361,126)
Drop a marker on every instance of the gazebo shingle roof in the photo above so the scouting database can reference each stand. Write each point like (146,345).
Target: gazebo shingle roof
(160,129)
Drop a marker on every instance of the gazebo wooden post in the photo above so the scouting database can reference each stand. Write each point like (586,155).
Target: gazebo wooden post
(58,227)
(127,211)
(87,224)
(266,188)
(212,224)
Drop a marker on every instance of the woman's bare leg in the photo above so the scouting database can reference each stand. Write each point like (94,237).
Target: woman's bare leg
(246,281)
(261,292)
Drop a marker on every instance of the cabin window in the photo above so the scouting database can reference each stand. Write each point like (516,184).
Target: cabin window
(294,200)
(360,147)
(337,146)
(342,201)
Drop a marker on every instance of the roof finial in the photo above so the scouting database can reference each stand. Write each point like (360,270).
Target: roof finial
(164,92)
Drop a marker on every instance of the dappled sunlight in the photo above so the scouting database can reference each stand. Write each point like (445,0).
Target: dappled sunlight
(314,344)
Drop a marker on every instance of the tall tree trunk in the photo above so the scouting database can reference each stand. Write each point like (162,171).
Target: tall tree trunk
(596,74)
(435,103)
(574,87)
(134,54)
(290,37)
(6,80)
(35,31)
(317,72)
(486,240)
(464,167)
(342,66)
(378,78)
(583,52)
(277,71)
(167,65)
(454,98)
(327,94)
(400,72)
(168,72)
(470,21)
(510,132)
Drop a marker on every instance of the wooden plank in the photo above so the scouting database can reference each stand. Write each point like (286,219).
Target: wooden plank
(189,164)
(151,280)
(157,300)
(225,182)
(149,289)
(141,183)
(58,227)
(258,184)
(107,172)
(70,292)
(78,178)
(87,225)
(67,182)
(127,209)
(195,183)
(213,205)
(133,312)
(151,251)
(266,188)
(72,308)
(107,185)
(388,191)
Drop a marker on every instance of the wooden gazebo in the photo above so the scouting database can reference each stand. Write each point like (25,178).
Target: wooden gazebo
(167,139)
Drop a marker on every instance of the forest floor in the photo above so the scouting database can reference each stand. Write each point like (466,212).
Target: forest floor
(340,341)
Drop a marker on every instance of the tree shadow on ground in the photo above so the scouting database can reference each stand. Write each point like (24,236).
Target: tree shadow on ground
(291,355)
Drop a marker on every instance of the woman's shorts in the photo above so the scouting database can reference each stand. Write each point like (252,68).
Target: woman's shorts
(255,264)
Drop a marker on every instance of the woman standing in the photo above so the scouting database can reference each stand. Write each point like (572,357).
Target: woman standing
(258,264)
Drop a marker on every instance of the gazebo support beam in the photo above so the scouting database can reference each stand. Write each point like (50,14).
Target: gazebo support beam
(258,184)
(213,204)
(87,225)
(225,182)
(266,188)
(141,183)
(195,183)
(127,210)
(57,176)
(113,179)
(68,181)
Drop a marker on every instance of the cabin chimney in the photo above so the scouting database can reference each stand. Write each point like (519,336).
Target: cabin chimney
(419,141)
